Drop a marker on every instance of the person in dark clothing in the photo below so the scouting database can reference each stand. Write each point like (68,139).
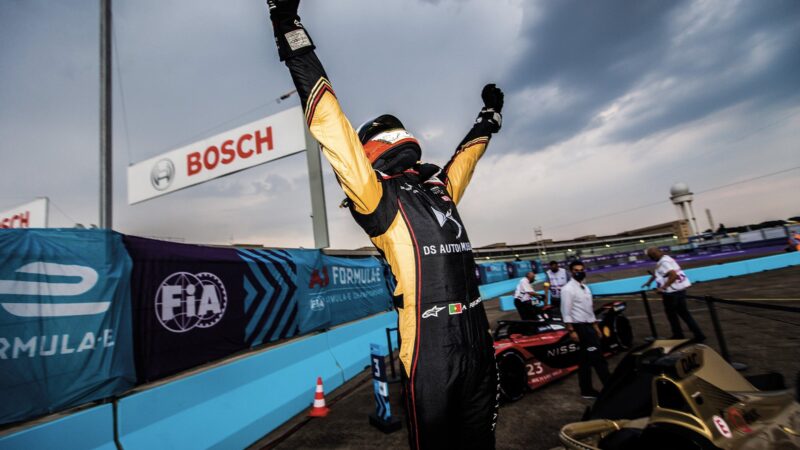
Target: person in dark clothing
(577,312)
(408,209)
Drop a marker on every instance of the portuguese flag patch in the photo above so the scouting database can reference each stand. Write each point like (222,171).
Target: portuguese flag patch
(456,308)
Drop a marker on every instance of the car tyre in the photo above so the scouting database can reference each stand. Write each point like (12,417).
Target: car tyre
(513,376)
(623,332)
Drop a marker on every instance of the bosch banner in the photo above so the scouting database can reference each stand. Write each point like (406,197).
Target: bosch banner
(194,304)
(255,143)
(65,325)
(29,215)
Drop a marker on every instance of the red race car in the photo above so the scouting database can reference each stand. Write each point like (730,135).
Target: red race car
(532,353)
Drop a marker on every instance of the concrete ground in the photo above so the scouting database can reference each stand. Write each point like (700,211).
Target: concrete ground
(765,340)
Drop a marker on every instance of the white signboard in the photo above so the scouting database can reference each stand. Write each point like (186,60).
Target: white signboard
(29,215)
(258,142)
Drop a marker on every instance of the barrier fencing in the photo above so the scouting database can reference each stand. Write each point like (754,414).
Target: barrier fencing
(711,303)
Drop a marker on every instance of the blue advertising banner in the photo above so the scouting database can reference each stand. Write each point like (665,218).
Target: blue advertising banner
(299,291)
(194,304)
(188,305)
(65,325)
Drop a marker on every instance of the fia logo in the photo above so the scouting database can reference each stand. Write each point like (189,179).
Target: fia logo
(162,174)
(185,301)
(88,279)
(317,304)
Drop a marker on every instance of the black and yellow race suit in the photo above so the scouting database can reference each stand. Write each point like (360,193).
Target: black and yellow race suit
(446,350)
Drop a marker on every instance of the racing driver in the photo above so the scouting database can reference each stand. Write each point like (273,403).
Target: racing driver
(408,209)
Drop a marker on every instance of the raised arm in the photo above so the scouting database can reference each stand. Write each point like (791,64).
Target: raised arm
(459,169)
(324,116)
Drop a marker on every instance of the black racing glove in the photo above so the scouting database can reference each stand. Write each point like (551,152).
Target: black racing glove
(290,36)
(492,105)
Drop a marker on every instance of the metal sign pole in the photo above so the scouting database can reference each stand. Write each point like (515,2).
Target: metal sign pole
(319,217)
(105,115)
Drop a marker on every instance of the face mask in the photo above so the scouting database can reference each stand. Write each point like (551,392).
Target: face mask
(579,275)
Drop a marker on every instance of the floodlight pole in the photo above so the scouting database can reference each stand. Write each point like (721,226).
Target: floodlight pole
(105,115)
(319,217)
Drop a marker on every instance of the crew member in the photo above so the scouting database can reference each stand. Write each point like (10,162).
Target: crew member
(408,209)
(794,241)
(524,297)
(672,283)
(578,315)
(557,277)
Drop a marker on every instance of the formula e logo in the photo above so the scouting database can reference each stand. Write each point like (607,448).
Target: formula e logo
(319,280)
(88,279)
(184,301)
(433,312)
(162,174)
(442,218)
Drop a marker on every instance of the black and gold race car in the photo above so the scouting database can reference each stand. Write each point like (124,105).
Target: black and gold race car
(675,395)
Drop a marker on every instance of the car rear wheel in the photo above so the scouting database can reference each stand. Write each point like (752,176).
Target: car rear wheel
(513,376)
(623,332)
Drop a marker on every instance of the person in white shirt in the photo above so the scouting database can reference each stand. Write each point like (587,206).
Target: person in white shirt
(672,283)
(524,297)
(557,277)
(577,312)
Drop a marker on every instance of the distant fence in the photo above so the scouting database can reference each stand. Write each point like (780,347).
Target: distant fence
(634,284)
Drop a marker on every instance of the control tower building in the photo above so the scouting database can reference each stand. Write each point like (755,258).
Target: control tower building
(682,197)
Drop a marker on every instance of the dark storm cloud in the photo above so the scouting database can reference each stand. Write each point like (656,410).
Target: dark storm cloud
(687,60)
(752,56)
(589,53)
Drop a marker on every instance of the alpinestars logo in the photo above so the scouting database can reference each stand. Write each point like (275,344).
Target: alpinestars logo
(433,312)
(442,218)
(184,301)
(88,279)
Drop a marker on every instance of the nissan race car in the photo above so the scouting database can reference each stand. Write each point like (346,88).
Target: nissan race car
(675,395)
(532,353)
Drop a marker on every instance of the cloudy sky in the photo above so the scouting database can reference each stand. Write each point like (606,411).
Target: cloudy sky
(608,103)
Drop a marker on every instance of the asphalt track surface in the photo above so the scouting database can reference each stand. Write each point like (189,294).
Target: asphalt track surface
(764,340)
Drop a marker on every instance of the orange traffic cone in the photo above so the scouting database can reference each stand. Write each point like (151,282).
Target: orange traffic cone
(319,409)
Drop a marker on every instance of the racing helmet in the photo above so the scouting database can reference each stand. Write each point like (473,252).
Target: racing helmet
(385,140)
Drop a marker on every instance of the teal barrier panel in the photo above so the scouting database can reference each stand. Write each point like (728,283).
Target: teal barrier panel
(91,428)
(618,286)
(507,303)
(349,344)
(633,284)
(774,262)
(229,406)
(492,290)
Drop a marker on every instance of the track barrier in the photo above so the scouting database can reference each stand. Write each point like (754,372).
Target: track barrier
(91,428)
(230,405)
(633,285)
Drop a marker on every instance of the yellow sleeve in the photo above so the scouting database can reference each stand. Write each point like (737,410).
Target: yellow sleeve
(459,170)
(342,148)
